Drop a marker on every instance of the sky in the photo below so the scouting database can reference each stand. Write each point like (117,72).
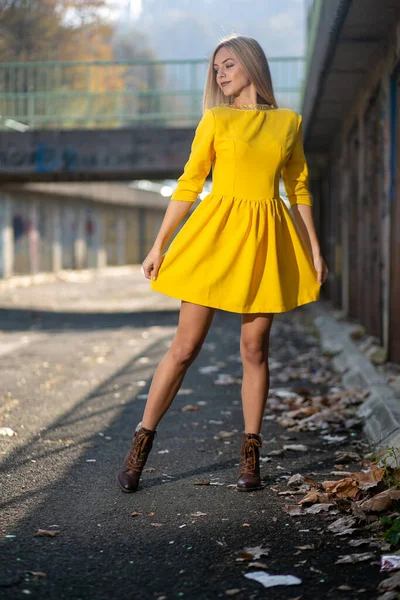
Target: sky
(191,28)
(121,8)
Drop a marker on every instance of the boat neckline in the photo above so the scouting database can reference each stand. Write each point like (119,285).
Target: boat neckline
(249,106)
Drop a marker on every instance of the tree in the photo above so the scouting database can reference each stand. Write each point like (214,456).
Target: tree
(66,30)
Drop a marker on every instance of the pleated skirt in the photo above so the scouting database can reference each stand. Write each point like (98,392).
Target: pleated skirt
(240,255)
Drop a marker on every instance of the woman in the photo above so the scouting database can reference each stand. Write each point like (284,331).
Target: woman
(240,250)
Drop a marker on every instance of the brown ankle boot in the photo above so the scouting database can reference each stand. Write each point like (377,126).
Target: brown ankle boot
(249,478)
(128,477)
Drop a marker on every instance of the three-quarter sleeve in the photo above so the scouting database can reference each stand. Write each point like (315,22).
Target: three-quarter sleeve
(295,172)
(191,182)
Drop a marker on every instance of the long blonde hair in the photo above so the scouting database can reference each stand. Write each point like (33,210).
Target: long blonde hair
(252,57)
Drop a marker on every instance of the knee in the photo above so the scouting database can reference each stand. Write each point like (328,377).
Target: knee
(184,352)
(253,351)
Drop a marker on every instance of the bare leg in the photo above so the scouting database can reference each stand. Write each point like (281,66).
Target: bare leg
(254,345)
(194,323)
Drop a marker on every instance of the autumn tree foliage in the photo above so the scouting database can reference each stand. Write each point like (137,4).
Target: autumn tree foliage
(70,30)
(45,30)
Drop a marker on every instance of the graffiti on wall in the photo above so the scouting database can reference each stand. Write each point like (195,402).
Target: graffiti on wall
(21,227)
(47,159)
(41,153)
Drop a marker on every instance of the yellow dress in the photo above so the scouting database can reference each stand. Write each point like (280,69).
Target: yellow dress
(240,250)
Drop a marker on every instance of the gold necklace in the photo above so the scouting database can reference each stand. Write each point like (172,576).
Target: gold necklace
(250,106)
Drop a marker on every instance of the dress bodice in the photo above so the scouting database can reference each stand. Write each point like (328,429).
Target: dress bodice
(248,148)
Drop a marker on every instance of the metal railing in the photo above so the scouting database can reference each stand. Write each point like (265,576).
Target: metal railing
(119,94)
(313,17)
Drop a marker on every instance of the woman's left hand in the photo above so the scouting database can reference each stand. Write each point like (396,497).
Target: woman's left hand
(321,268)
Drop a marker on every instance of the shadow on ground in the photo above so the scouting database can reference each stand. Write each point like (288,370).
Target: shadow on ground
(64,478)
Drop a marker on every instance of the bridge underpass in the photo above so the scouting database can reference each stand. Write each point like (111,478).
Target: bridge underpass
(94,154)
(107,121)
(65,124)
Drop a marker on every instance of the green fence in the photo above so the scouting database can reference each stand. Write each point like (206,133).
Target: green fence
(119,94)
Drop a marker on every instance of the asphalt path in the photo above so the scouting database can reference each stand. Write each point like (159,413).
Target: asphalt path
(74,377)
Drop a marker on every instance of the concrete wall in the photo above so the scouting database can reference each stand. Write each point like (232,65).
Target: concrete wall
(355,198)
(119,154)
(44,230)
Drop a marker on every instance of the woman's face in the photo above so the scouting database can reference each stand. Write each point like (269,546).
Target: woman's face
(229,73)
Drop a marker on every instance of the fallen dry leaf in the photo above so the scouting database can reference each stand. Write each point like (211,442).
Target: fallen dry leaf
(344,588)
(259,565)
(370,478)
(47,532)
(354,558)
(296,447)
(381,501)
(344,488)
(306,547)
(392,583)
(388,596)
(358,512)
(37,573)
(295,481)
(245,556)
(334,439)
(346,456)
(208,369)
(279,452)
(156,524)
(226,379)
(294,510)
(291,493)
(245,524)
(224,435)
(342,526)
(7,431)
(317,508)
(358,542)
(190,408)
(314,496)
(198,514)
(256,552)
(134,514)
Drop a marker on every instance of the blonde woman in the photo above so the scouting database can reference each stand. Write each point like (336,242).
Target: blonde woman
(240,250)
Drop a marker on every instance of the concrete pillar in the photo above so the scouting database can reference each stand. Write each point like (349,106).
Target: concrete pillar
(387,130)
(57,238)
(99,239)
(121,238)
(6,238)
(142,233)
(345,199)
(80,240)
(361,217)
(34,238)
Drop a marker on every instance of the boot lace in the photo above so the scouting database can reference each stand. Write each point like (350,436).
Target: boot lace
(138,452)
(248,460)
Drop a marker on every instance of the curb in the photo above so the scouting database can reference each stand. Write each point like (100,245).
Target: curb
(381,409)
(69,275)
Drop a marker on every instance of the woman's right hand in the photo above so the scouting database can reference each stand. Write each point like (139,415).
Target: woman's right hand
(152,263)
